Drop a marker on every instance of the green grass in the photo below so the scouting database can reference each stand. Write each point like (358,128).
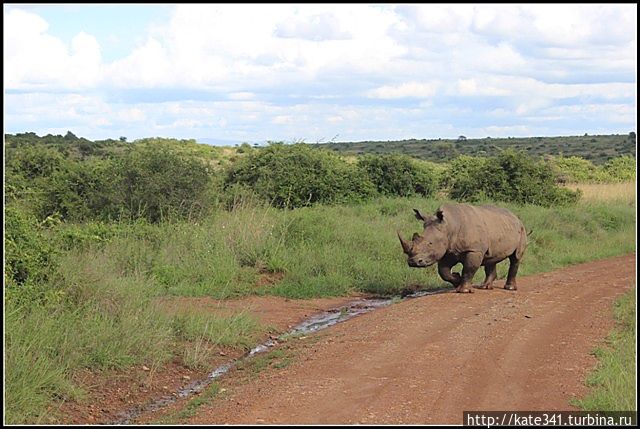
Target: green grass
(107,321)
(105,313)
(278,358)
(203,332)
(613,382)
(192,406)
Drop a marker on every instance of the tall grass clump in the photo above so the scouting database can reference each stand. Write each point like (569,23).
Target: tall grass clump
(111,326)
(103,316)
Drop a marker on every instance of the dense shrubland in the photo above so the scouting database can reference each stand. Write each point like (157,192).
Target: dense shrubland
(595,148)
(95,235)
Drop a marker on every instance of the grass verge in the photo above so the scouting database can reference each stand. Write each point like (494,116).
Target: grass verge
(613,382)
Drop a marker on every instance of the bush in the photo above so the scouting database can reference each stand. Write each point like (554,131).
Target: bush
(621,169)
(34,161)
(297,175)
(398,175)
(82,191)
(147,181)
(31,259)
(578,170)
(462,177)
(510,177)
(157,183)
(574,169)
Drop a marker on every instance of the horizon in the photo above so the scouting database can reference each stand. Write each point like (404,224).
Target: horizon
(212,141)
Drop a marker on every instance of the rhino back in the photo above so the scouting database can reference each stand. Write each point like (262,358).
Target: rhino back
(494,231)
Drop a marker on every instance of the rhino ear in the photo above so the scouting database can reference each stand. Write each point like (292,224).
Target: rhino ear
(419,215)
(440,214)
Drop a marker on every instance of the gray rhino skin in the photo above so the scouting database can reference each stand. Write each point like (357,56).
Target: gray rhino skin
(473,235)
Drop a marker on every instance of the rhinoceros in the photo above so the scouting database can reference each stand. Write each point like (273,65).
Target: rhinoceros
(473,235)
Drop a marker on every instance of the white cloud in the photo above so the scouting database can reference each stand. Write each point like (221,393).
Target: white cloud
(331,68)
(471,87)
(148,66)
(405,90)
(612,112)
(437,18)
(316,27)
(242,95)
(507,131)
(34,59)
(131,114)
(560,25)
(283,119)
(528,87)
(241,47)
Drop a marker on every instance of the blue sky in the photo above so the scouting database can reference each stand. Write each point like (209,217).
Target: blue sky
(236,73)
(117,28)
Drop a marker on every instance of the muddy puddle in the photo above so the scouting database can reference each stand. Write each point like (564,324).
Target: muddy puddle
(312,324)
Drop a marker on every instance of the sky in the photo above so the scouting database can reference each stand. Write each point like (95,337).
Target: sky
(234,73)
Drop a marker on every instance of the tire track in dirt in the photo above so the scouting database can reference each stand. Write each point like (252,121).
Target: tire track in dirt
(428,359)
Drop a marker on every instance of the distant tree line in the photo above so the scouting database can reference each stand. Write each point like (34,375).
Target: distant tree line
(598,148)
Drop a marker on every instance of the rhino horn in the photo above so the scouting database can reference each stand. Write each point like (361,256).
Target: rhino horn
(406,245)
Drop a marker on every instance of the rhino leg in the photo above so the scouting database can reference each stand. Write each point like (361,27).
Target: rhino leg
(470,265)
(444,269)
(514,263)
(491,273)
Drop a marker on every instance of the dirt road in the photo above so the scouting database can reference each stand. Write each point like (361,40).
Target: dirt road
(426,360)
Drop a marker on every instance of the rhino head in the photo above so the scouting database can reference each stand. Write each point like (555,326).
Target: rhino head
(429,247)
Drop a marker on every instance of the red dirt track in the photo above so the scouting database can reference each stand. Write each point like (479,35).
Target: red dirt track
(428,359)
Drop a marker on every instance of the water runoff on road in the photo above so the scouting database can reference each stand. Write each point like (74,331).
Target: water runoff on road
(312,324)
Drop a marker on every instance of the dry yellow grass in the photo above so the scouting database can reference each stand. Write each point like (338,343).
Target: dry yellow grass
(625,191)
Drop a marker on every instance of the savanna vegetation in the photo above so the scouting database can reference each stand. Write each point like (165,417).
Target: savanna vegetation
(597,148)
(613,382)
(97,234)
